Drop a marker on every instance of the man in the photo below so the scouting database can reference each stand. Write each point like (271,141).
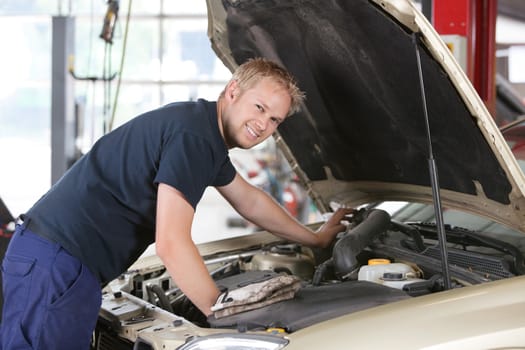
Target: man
(139,184)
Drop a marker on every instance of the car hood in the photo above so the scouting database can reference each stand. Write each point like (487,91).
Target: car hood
(361,136)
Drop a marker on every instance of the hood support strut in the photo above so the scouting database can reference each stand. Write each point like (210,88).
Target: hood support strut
(442,237)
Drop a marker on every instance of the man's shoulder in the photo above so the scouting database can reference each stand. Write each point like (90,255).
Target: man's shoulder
(177,115)
(198,106)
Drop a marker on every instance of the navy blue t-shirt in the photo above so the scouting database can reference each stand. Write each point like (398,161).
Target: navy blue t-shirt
(103,209)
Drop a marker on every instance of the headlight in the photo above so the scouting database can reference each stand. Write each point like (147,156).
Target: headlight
(235,342)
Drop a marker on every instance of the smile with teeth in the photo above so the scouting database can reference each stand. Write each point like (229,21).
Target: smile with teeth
(252,132)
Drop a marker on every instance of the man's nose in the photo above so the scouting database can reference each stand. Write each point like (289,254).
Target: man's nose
(262,123)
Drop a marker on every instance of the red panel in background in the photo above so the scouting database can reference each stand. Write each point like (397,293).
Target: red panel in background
(451,16)
(484,51)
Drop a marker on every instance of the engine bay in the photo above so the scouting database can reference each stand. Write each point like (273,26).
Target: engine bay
(375,261)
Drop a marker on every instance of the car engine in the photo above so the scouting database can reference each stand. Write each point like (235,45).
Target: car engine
(375,261)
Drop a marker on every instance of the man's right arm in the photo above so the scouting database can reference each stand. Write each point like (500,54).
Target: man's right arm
(178,252)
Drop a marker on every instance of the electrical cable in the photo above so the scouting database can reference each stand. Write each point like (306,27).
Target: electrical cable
(90,45)
(89,87)
(107,86)
(121,68)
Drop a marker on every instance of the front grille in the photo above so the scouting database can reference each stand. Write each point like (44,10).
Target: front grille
(105,340)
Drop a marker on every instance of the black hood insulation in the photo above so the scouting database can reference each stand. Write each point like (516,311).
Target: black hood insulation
(364,116)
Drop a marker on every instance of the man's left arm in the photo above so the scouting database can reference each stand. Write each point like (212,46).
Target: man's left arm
(261,209)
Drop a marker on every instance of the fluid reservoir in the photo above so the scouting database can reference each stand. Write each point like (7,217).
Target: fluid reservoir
(394,275)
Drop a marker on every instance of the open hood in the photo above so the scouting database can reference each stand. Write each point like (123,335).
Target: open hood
(361,136)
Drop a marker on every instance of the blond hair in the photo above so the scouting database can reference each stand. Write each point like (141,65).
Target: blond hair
(248,74)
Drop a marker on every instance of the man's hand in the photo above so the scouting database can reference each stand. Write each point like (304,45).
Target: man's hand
(332,226)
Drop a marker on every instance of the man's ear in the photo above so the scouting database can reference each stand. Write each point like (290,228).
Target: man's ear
(232,90)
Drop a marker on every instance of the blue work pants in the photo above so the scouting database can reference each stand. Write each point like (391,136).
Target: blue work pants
(51,300)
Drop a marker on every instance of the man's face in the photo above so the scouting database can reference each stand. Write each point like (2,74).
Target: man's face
(250,117)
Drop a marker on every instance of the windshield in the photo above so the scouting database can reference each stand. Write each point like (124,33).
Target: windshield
(424,213)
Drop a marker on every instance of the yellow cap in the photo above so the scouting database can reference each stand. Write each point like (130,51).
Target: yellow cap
(275,330)
(378,261)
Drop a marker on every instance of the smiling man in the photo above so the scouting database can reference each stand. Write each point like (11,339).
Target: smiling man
(254,103)
(140,184)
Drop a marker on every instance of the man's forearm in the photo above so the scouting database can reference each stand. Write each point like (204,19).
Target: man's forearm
(190,274)
(269,215)
(260,208)
(266,213)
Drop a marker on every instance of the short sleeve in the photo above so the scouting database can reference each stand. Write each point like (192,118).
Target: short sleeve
(187,163)
(226,173)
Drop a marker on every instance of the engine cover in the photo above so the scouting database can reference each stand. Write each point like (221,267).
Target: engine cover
(311,304)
